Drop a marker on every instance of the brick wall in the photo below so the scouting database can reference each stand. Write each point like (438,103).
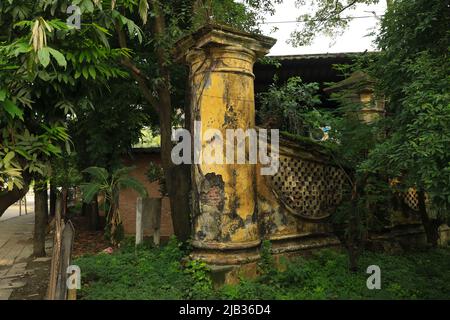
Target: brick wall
(127,201)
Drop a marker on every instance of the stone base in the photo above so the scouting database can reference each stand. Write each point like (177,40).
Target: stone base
(230,273)
(405,237)
(228,267)
(226,257)
(398,239)
(444,241)
(303,243)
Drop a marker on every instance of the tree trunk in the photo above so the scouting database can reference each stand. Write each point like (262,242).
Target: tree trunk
(352,258)
(177,182)
(64,193)
(431,226)
(40,219)
(52,200)
(84,209)
(389,3)
(92,215)
(45,198)
(10,197)
(177,177)
(355,242)
(179,200)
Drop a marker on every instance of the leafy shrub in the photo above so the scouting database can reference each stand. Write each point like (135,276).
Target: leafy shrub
(199,272)
(290,107)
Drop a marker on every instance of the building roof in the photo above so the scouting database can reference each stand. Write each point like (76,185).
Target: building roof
(316,56)
(310,67)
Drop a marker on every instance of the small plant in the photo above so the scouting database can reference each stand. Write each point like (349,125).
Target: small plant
(202,283)
(110,185)
(156,173)
(267,263)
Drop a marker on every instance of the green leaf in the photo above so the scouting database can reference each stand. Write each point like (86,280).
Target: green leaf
(44,56)
(23,153)
(88,5)
(92,72)
(22,47)
(54,149)
(130,182)
(100,174)
(12,109)
(143,10)
(9,156)
(89,190)
(2,94)
(59,57)
(44,75)
(85,72)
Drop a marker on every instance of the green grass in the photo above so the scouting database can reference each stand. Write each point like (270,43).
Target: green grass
(150,273)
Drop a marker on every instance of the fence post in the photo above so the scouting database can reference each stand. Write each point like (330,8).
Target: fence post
(51,291)
(139,226)
(72,294)
(66,255)
(156,217)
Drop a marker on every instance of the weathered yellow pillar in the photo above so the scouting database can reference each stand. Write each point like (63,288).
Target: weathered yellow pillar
(225,222)
(363,92)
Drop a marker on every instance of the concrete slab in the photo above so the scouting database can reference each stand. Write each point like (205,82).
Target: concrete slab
(5,294)
(16,248)
(42,259)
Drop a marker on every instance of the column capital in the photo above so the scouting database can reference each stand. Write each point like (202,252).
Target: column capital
(219,35)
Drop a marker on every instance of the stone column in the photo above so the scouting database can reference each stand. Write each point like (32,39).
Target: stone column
(363,92)
(225,223)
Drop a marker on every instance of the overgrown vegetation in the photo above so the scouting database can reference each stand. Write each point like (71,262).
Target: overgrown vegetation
(160,273)
(144,273)
(412,71)
(291,107)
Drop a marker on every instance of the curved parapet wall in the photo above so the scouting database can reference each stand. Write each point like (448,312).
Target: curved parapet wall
(294,204)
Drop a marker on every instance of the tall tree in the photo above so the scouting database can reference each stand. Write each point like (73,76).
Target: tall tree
(413,71)
(45,64)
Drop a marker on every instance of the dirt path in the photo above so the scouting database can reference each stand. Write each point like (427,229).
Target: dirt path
(18,270)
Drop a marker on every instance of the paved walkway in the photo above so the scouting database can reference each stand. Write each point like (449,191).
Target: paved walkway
(16,247)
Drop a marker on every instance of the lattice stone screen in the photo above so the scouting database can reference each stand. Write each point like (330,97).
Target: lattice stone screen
(308,189)
(412,199)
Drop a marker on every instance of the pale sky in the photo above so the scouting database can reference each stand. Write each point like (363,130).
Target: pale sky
(354,39)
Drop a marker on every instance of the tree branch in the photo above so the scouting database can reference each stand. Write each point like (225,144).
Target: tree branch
(135,72)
